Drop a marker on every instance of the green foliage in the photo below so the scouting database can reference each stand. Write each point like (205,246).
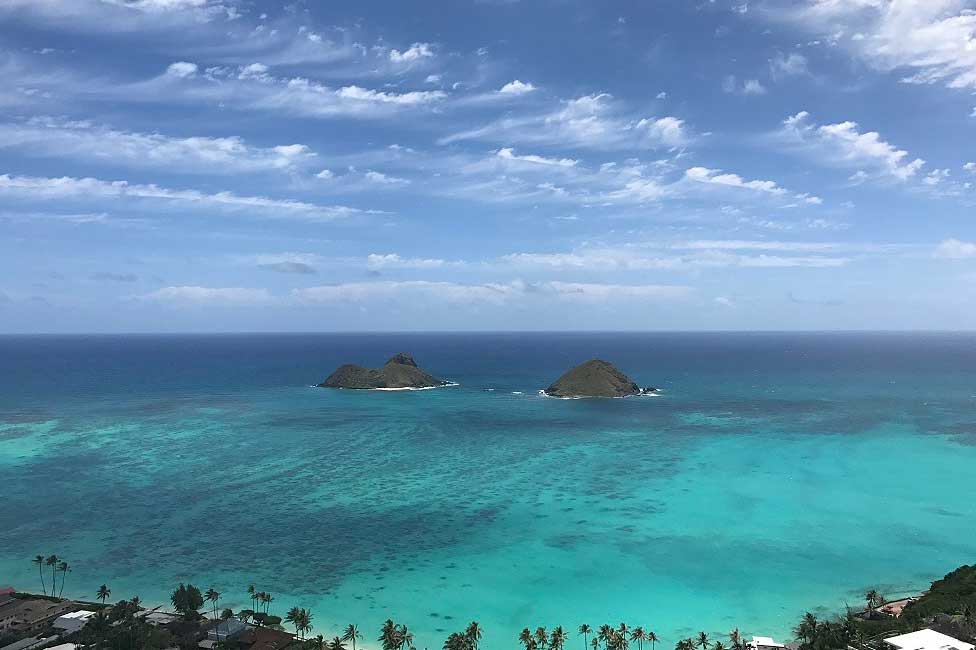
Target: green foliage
(186,600)
(950,595)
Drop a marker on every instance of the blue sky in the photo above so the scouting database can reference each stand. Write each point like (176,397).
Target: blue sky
(242,165)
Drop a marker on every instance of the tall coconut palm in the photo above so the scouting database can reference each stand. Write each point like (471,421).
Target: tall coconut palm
(541,637)
(557,639)
(212,596)
(873,599)
(336,644)
(638,635)
(652,637)
(735,638)
(807,629)
(52,561)
(250,594)
(525,638)
(472,635)
(702,641)
(388,635)
(303,622)
(103,593)
(39,561)
(604,634)
(352,634)
(404,638)
(584,629)
(63,568)
(718,646)
(292,615)
(594,643)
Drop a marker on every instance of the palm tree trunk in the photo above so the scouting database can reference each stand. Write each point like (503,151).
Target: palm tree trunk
(40,572)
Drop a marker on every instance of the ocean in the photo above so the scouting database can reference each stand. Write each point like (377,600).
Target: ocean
(776,473)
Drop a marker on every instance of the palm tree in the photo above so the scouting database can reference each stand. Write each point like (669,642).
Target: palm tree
(525,638)
(388,635)
(292,615)
(52,561)
(103,593)
(39,561)
(558,638)
(585,629)
(652,638)
(637,634)
(702,641)
(685,644)
(718,646)
(404,638)
(303,622)
(251,593)
(604,635)
(472,634)
(873,600)
(807,629)
(336,644)
(212,596)
(594,643)
(541,638)
(735,638)
(352,634)
(63,568)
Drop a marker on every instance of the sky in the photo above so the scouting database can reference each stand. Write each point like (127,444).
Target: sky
(257,165)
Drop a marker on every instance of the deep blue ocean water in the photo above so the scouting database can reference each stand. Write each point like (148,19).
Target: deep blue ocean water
(776,473)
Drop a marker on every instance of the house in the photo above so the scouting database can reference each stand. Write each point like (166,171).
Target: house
(926,640)
(228,629)
(264,638)
(765,643)
(31,643)
(158,618)
(27,615)
(73,621)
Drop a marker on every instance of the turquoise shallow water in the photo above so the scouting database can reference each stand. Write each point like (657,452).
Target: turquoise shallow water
(777,473)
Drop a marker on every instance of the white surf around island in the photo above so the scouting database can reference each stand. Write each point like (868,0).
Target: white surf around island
(450,384)
(655,393)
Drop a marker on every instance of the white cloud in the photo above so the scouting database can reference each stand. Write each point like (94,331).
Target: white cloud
(253,88)
(516,87)
(375,261)
(705,175)
(748,87)
(35,188)
(414,53)
(62,138)
(494,293)
(955,249)
(786,65)
(209,295)
(382,179)
(509,154)
(591,121)
(931,40)
(843,143)
(181,69)
(970,167)
(753,87)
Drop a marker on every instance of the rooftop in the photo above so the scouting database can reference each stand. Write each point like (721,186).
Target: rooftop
(927,640)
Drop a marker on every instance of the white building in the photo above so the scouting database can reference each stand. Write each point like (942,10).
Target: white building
(63,646)
(73,621)
(926,640)
(765,643)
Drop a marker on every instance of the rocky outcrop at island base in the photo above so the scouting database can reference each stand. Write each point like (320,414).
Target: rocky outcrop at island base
(400,371)
(595,378)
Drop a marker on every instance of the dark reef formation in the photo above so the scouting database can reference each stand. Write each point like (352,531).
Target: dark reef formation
(400,371)
(595,378)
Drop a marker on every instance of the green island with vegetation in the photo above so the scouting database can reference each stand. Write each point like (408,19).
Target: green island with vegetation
(949,607)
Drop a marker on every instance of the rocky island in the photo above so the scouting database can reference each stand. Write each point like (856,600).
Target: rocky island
(399,373)
(595,378)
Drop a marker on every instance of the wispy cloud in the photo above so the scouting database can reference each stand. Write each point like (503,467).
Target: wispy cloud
(54,137)
(66,187)
(591,121)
